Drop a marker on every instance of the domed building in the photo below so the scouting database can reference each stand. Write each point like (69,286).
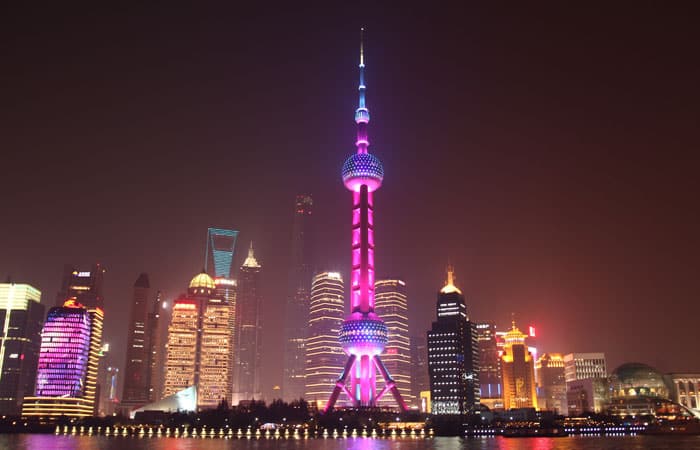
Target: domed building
(637,379)
(202,285)
(638,389)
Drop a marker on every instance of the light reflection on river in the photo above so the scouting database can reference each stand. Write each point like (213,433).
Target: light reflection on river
(49,441)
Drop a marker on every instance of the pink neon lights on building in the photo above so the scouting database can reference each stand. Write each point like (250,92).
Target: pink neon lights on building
(65,349)
(363,334)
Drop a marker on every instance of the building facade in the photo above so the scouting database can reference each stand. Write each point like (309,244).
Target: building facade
(453,355)
(22,316)
(249,339)
(420,381)
(298,300)
(156,349)
(518,372)
(66,382)
(489,365)
(324,355)
(199,345)
(552,383)
(86,286)
(137,388)
(685,389)
(391,304)
(581,366)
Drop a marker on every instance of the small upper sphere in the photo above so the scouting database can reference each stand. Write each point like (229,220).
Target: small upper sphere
(363,169)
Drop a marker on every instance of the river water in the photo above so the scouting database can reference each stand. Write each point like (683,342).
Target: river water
(49,441)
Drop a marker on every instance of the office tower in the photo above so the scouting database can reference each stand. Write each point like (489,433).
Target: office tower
(552,382)
(86,286)
(66,380)
(489,365)
(297,305)
(453,354)
(363,334)
(392,306)
(137,368)
(517,372)
(156,353)
(199,345)
(581,366)
(324,355)
(108,391)
(221,244)
(420,382)
(247,361)
(20,340)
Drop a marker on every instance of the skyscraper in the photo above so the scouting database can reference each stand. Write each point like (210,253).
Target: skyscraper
(363,334)
(221,244)
(552,382)
(420,381)
(518,372)
(489,365)
(137,367)
(86,286)
(66,379)
(20,340)
(324,355)
(199,345)
(297,305)
(581,366)
(156,351)
(453,354)
(392,306)
(247,361)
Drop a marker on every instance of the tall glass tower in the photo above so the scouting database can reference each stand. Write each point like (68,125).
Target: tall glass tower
(297,305)
(364,334)
(324,355)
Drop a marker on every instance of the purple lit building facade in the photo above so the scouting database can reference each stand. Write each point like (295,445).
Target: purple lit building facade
(363,335)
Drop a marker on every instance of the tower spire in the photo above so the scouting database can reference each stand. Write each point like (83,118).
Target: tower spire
(362,113)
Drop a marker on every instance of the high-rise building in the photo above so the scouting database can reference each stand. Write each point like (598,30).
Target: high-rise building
(221,244)
(581,366)
(86,286)
(199,340)
(247,360)
(420,382)
(108,393)
(324,355)
(66,381)
(20,340)
(363,334)
(552,383)
(156,353)
(518,372)
(392,306)
(298,298)
(453,354)
(489,364)
(137,388)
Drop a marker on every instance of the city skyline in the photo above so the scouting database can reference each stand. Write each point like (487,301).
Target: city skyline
(564,203)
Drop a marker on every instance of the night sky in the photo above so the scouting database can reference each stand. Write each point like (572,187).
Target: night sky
(550,152)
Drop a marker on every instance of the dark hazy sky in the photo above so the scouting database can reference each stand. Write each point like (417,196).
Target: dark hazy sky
(549,151)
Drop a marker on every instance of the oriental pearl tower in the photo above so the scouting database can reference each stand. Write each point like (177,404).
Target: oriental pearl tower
(363,334)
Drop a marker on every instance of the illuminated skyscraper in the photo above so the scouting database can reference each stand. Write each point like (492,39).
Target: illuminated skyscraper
(581,366)
(392,306)
(363,334)
(453,354)
(137,368)
(156,351)
(83,285)
(518,372)
(489,365)
(109,399)
(420,381)
(324,355)
(297,305)
(68,363)
(221,244)
(247,358)
(199,345)
(20,340)
(552,383)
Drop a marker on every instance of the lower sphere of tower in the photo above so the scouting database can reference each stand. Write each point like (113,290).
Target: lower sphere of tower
(363,336)
(362,169)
